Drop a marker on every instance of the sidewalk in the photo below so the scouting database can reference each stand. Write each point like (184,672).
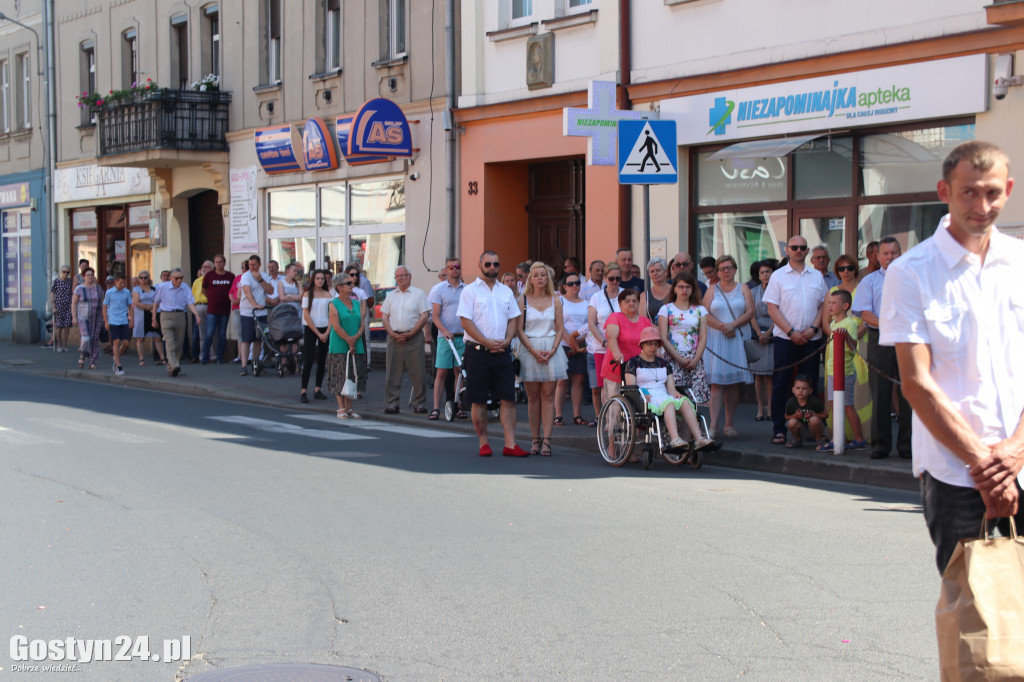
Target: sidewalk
(751,450)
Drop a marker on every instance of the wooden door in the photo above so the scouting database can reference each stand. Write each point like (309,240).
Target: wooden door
(205,230)
(556,212)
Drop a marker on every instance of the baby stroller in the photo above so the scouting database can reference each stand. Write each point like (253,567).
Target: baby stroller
(451,407)
(281,330)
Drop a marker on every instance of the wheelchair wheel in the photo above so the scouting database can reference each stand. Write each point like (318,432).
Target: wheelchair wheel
(616,431)
(648,457)
(449,411)
(695,459)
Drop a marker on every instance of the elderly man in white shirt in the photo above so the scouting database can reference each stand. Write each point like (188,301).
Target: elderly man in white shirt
(953,306)
(404,313)
(488,311)
(794,296)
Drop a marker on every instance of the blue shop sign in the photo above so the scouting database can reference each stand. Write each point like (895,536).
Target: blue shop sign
(277,149)
(380,128)
(318,145)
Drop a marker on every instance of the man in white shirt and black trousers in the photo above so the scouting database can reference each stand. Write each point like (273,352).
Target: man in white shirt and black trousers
(488,312)
(954,308)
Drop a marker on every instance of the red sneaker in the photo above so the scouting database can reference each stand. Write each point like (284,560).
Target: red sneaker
(485,450)
(515,452)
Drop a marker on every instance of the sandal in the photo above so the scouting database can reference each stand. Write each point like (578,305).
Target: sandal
(826,447)
(461,415)
(558,421)
(795,444)
(779,439)
(81,363)
(730,432)
(434,415)
(535,449)
(545,447)
(142,363)
(579,421)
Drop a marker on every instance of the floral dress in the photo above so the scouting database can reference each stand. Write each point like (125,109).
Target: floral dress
(61,289)
(684,333)
(90,320)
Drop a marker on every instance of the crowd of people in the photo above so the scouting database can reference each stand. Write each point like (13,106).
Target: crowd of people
(571,338)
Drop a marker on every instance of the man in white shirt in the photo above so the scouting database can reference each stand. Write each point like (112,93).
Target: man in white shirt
(794,296)
(252,304)
(404,314)
(488,312)
(867,304)
(274,276)
(953,308)
(594,284)
(444,304)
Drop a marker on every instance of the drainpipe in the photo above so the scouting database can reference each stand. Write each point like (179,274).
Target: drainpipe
(623,104)
(451,136)
(51,160)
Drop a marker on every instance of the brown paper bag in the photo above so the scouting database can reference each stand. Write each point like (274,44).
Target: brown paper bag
(979,619)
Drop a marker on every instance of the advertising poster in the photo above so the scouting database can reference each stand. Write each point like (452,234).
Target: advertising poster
(243,210)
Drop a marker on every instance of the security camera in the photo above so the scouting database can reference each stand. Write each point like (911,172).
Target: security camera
(415,176)
(1004,77)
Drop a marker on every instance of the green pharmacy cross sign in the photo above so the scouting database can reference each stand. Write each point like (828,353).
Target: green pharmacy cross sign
(599,121)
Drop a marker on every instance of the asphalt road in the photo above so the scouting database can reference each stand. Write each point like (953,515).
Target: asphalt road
(267,537)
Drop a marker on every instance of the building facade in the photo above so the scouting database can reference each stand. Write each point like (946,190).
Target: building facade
(821,120)
(192,110)
(23,200)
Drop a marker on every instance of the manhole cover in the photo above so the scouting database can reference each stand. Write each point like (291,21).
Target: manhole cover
(286,672)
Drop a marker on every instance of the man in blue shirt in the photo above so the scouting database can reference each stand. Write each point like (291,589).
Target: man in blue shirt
(867,305)
(119,319)
(173,300)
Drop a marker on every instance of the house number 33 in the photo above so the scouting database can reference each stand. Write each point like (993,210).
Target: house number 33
(474,187)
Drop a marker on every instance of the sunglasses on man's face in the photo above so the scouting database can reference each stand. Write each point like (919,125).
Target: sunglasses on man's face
(798,247)
(492,265)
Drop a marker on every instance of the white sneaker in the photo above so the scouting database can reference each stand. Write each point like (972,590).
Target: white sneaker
(118,370)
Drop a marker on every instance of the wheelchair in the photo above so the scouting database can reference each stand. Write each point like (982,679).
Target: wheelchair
(626,419)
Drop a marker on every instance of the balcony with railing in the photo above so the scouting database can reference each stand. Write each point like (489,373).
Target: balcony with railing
(163,128)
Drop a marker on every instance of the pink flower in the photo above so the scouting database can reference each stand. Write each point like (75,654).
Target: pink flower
(99,102)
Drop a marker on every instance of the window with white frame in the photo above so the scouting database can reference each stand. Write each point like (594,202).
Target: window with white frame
(16,228)
(332,35)
(87,77)
(23,90)
(211,40)
(329,226)
(392,29)
(271,29)
(129,58)
(5,95)
(522,11)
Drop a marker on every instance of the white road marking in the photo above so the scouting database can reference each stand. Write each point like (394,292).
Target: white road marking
(290,429)
(103,431)
(370,425)
(186,430)
(8,435)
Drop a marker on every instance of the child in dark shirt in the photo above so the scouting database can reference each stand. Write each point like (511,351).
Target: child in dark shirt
(804,410)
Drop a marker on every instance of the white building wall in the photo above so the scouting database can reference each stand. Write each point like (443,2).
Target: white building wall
(710,36)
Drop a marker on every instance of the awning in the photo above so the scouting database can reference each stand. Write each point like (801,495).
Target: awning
(762,149)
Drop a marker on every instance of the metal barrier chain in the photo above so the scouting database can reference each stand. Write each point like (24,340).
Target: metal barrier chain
(875,369)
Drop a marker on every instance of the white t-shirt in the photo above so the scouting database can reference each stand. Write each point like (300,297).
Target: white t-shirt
(245,308)
(600,302)
(972,316)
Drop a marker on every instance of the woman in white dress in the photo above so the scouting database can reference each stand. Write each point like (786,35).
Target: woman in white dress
(574,321)
(599,307)
(730,309)
(542,362)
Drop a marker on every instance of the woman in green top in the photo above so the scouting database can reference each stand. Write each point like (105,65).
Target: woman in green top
(346,322)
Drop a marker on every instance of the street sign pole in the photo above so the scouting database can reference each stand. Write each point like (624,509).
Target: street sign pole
(647,239)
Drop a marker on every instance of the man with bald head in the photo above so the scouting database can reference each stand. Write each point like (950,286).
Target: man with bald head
(683,262)
(404,314)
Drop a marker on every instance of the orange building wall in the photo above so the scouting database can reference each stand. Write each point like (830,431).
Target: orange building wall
(496,154)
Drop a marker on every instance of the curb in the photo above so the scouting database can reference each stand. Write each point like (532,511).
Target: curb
(835,469)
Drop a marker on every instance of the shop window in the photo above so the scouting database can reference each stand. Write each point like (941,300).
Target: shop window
(747,237)
(84,243)
(378,254)
(823,168)
(907,162)
(378,202)
(292,209)
(299,250)
(723,182)
(17,258)
(910,223)
(332,206)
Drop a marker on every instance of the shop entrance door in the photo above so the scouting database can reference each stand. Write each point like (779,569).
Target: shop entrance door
(832,227)
(556,210)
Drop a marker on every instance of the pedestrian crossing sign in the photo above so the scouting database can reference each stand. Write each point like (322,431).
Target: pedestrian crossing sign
(647,153)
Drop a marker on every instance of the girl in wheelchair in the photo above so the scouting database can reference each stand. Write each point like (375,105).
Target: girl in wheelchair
(651,374)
